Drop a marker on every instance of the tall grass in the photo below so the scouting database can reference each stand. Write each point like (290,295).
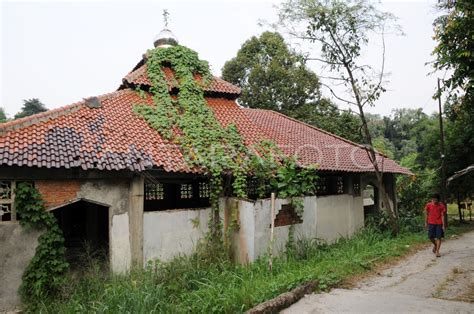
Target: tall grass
(191,284)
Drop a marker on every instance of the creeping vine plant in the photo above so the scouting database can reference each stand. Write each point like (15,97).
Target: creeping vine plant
(206,144)
(45,273)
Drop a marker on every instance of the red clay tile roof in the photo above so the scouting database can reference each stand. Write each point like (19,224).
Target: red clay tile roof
(312,145)
(113,137)
(217,85)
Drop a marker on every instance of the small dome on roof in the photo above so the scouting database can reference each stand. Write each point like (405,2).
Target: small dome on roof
(165,39)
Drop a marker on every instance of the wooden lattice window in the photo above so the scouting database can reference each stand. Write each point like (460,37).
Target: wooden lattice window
(204,190)
(356,188)
(154,191)
(7,199)
(322,186)
(252,187)
(186,191)
(339,185)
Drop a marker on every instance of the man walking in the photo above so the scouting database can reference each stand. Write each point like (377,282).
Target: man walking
(434,221)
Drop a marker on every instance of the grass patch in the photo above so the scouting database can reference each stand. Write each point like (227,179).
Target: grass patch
(189,284)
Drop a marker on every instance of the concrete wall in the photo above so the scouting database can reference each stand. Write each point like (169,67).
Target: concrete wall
(18,247)
(338,216)
(326,218)
(167,234)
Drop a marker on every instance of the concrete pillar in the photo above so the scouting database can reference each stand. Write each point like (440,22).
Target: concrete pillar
(137,192)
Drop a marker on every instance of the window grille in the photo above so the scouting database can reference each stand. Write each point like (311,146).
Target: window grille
(154,191)
(322,186)
(5,190)
(204,190)
(186,191)
(252,187)
(356,189)
(339,185)
(7,199)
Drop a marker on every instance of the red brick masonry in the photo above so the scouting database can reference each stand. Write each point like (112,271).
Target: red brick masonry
(57,192)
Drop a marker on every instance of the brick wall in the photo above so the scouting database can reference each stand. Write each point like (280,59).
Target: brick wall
(57,192)
(287,216)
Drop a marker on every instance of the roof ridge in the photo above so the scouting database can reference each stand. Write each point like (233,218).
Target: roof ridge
(47,115)
(311,126)
(139,76)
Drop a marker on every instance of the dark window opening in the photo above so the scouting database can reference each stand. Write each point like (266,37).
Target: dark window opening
(7,199)
(186,191)
(176,194)
(85,227)
(154,191)
(204,190)
(331,185)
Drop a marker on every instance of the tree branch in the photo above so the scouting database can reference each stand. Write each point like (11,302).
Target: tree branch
(337,97)
(324,61)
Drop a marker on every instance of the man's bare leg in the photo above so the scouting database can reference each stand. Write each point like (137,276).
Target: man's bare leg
(434,245)
(438,246)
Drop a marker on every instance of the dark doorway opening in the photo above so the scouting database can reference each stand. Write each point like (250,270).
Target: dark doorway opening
(85,226)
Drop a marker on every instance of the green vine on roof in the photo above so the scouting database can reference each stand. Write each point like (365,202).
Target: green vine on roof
(187,120)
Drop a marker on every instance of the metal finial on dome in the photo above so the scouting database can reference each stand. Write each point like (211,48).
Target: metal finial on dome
(166,14)
(165,38)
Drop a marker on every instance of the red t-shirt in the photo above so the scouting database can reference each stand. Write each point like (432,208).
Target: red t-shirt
(435,212)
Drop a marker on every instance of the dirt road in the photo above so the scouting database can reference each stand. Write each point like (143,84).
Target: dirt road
(421,283)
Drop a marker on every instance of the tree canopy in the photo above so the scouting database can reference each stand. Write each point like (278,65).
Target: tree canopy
(3,116)
(271,75)
(30,107)
(454,33)
(274,77)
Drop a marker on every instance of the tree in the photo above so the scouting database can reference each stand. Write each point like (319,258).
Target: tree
(274,77)
(30,107)
(341,29)
(3,116)
(454,32)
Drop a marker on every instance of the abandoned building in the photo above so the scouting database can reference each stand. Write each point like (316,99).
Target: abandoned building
(111,180)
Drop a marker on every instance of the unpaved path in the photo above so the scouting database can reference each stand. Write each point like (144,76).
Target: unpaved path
(421,283)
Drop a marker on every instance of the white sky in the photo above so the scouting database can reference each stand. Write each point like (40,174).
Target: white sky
(63,51)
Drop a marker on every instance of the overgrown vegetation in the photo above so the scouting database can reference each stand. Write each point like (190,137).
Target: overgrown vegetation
(188,284)
(208,146)
(44,275)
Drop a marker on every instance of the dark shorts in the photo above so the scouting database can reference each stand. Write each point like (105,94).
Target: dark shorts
(435,231)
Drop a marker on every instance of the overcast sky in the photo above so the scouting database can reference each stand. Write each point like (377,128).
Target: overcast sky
(63,51)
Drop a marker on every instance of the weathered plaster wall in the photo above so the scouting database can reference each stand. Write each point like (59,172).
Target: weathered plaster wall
(307,229)
(326,218)
(119,243)
(167,234)
(114,193)
(17,249)
(338,216)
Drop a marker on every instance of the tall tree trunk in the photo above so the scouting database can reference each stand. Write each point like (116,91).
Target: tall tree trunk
(372,154)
